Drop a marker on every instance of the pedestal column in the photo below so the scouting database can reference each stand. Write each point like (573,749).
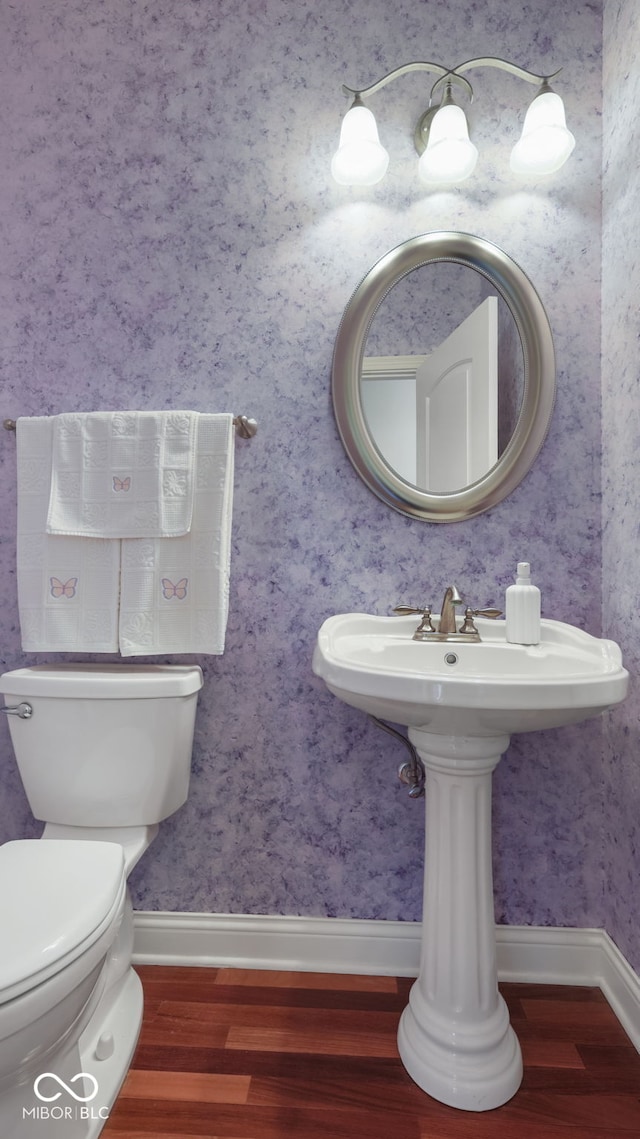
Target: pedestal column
(455,1039)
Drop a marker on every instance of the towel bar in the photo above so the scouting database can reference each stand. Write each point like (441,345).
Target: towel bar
(245,427)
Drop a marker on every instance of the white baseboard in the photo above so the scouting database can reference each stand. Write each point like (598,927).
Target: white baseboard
(534,954)
(323,945)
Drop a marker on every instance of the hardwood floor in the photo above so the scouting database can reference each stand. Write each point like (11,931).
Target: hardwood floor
(240,1054)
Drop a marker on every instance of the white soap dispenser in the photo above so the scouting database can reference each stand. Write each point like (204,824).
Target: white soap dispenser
(522,609)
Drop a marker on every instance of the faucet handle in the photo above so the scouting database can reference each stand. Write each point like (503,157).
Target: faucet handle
(426,626)
(468,626)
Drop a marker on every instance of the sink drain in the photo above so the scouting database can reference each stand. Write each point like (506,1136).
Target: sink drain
(450,658)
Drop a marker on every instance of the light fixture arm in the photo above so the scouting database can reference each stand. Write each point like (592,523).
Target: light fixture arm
(451,73)
(505,65)
(364,93)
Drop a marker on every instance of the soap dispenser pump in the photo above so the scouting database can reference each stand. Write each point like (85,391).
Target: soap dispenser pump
(522,609)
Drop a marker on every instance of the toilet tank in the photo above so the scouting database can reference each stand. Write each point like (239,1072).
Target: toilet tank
(107,745)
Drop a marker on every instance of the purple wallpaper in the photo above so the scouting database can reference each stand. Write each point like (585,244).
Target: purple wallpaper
(621,463)
(172,238)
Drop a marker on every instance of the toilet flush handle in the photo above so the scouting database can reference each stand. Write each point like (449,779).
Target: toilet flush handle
(23,710)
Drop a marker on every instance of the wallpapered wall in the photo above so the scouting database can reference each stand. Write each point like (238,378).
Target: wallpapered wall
(621,462)
(171,238)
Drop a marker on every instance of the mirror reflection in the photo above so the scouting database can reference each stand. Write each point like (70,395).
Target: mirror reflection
(442,377)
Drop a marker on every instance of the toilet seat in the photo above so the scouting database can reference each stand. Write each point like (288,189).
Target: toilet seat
(58,899)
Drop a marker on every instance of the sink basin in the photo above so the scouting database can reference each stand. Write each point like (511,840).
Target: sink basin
(460,702)
(484,688)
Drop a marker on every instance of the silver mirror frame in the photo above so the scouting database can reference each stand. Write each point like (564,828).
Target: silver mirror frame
(527,310)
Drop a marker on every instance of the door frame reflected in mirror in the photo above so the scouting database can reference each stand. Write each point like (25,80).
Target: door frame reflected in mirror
(526,308)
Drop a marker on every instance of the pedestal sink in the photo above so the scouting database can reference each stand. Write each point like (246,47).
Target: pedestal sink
(460,703)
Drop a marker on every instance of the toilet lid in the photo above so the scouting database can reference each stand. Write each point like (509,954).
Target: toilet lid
(54,895)
(102,681)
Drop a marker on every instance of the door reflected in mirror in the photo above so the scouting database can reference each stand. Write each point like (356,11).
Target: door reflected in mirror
(442,377)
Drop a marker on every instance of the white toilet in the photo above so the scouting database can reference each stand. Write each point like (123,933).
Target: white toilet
(104,752)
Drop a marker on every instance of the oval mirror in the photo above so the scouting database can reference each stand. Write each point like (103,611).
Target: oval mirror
(443,376)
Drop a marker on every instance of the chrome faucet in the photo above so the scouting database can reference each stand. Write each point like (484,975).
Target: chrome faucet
(448,610)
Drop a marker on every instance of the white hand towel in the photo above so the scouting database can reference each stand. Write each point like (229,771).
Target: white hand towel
(67,587)
(122,474)
(175,591)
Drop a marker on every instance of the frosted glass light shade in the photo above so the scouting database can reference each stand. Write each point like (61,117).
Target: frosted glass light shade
(450,155)
(360,160)
(545,143)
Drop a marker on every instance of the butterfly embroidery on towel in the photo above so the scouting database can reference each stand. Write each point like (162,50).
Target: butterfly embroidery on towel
(121,484)
(63,588)
(178,590)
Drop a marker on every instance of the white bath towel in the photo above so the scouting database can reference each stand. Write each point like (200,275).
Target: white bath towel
(175,591)
(143,596)
(67,587)
(122,474)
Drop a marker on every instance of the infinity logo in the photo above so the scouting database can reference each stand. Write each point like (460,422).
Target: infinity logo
(56,1095)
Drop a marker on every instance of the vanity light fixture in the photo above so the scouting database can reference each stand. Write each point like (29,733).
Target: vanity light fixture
(442,134)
